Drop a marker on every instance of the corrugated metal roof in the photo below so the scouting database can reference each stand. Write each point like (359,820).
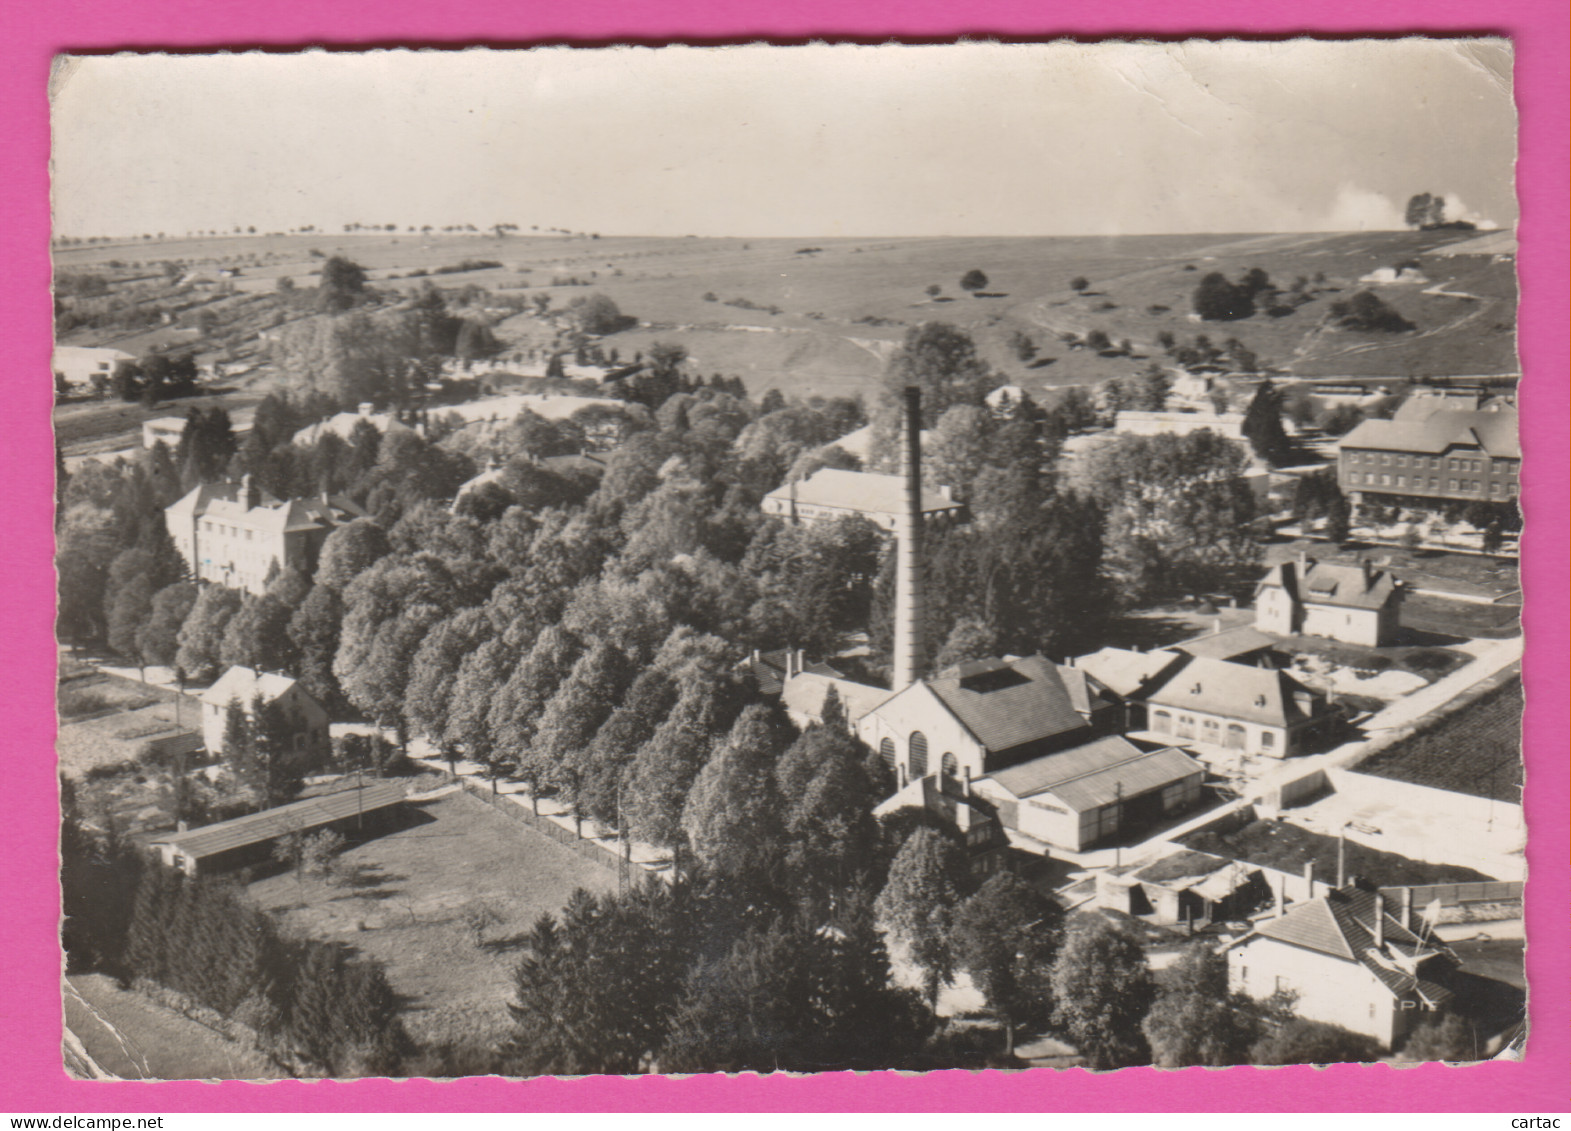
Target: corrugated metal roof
(1234,691)
(1155,770)
(1036,705)
(1493,431)
(1098,773)
(299,816)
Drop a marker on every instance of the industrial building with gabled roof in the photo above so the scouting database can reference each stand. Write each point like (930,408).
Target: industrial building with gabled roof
(986,714)
(248,839)
(1079,797)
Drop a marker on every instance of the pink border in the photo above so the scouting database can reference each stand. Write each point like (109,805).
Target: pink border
(31,1079)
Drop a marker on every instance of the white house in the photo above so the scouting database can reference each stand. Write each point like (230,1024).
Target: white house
(1346,961)
(1238,707)
(239,536)
(1354,603)
(80,364)
(305,720)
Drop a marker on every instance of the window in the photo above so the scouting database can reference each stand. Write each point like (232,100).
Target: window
(1401,481)
(949,766)
(886,751)
(918,761)
(1451,484)
(1267,740)
(1162,722)
(1494,488)
(1434,484)
(1385,460)
(1385,481)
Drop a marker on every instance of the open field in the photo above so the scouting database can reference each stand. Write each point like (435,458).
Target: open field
(1287,848)
(403,900)
(843,303)
(1476,749)
(136,1038)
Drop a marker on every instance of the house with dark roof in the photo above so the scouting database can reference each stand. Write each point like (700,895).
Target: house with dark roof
(250,839)
(1239,707)
(240,536)
(831,493)
(1444,456)
(1347,961)
(985,715)
(1091,793)
(1354,603)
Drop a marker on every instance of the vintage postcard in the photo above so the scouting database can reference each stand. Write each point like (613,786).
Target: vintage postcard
(753,559)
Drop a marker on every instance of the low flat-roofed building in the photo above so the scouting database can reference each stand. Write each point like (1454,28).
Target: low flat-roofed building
(81,364)
(250,839)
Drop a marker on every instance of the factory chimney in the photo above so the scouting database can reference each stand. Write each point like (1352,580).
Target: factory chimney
(909,609)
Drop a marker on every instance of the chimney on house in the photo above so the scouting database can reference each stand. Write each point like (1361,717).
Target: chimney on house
(1281,896)
(1407,908)
(1309,879)
(366,408)
(1380,921)
(1369,573)
(250,494)
(909,608)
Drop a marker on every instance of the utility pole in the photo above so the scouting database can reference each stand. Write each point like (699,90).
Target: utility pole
(1118,824)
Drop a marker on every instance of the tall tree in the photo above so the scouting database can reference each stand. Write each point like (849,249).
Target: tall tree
(1194,1019)
(1005,936)
(1102,991)
(732,815)
(926,882)
(158,637)
(1262,427)
(572,716)
(202,635)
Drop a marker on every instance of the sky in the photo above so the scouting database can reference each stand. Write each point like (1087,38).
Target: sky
(821,141)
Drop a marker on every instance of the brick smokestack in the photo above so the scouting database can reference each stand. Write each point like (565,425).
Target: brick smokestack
(909,606)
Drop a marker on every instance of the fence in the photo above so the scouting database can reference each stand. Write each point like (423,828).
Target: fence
(596,852)
(1455,895)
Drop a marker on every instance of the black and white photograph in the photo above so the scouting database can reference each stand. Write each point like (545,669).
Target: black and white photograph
(671,560)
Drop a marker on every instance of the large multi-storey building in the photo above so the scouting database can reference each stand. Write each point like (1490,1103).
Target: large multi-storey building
(239,536)
(1446,456)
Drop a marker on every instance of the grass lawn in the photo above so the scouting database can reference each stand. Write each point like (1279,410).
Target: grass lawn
(1440,617)
(1476,749)
(138,1039)
(403,898)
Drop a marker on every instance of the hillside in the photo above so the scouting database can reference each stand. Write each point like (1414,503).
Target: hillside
(843,303)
